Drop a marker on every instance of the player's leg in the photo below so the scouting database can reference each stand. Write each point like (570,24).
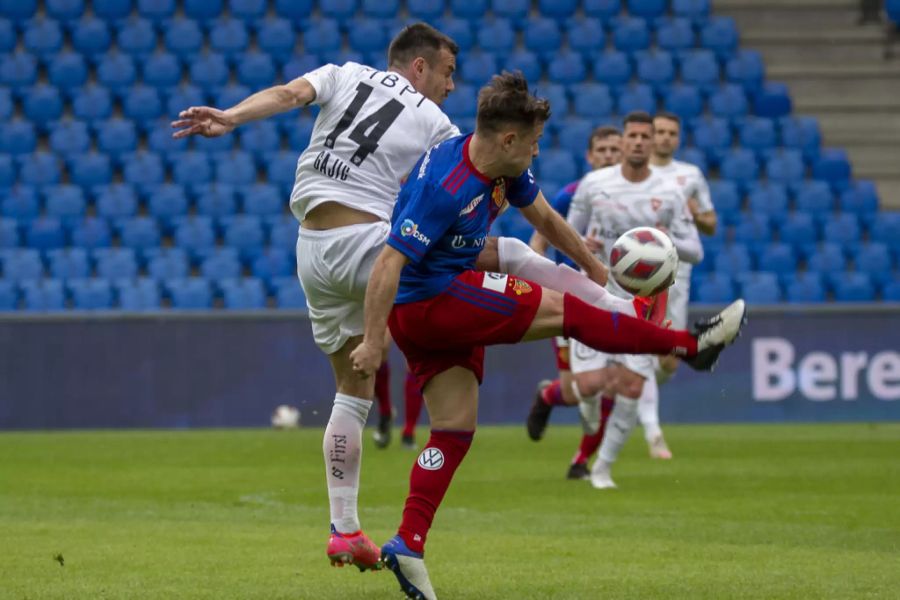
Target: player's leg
(382,433)
(591,378)
(551,393)
(412,403)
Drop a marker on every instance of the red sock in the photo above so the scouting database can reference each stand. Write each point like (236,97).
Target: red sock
(552,394)
(383,388)
(412,401)
(591,441)
(428,482)
(616,333)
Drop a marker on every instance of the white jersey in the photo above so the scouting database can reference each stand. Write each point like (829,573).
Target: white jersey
(690,179)
(372,128)
(606,205)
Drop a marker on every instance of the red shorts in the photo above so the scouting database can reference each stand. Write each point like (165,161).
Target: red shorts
(561,349)
(452,329)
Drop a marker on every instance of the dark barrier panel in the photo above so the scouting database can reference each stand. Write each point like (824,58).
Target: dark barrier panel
(224,370)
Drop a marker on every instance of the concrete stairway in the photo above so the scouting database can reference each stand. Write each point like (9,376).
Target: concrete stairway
(836,71)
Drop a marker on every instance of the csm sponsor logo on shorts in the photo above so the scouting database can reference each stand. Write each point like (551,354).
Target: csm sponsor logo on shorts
(431,459)
(778,373)
(410,229)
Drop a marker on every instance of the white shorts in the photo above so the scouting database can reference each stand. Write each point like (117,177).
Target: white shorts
(334,267)
(583,358)
(679,294)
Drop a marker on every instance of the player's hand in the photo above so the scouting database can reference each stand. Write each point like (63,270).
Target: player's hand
(202,120)
(594,244)
(366,358)
(600,274)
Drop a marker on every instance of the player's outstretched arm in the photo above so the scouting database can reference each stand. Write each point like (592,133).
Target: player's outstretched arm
(380,294)
(212,122)
(561,235)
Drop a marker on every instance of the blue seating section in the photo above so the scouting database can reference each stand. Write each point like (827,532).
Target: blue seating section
(101,209)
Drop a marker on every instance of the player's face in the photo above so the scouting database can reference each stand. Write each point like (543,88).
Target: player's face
(522,148)
(605,152)
(637,143)
(437,77)
(666,137)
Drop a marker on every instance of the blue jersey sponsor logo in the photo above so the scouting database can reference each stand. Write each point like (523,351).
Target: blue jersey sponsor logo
(410,229)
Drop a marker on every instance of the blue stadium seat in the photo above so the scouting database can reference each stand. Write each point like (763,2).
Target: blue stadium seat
(39,168)
(299,132)
(514,10)
(69,263)
(832,166)
(647,9)
(801,133)
(700,68)
(283,232)
(229,37)
(20,203)
(167,202)
(67,70)
(295,11)
(886,229)
(139,233)
(194,234)
(209,71)
(760,288)
(380,9)
(496,35)
(7,171)
(860,198)
(773,100)
(143,169)
(804,287)
(9,296)
(637,96)
(714,288)
(161,142)
(111,10)
(116,201)
(557,9)
(586,36)
(891,291)
(167,263)
(45,295)
(8,36)
(65,202)
(190,293)
(712,136)
(695,10)
(202,10)
(477,67)
(92,103)
(280,168)
(182,97)
(231,94)
(321,35)
(115,263)
(22,265)
(216,200)
(344,55)
(289,294)
(798,229)
(758,134)
(256,70)
(276,38)
(6,104)
(592,100)
(235,168)
(9,233)
(183,38)
(685,101)
(604,10)
(785,166)
(367,35)
(116,71)
(631,34)
(557,165)
(462,103)
(245,234)
(261,199)
(340,10)
(19,69)
(768,198)
(720,34)
(747,69)
(733,258)
(573,135)
(815,198)
(70,138)
(91,232)
(156,10)
(220,263)
(17,137)
(141,294)
(116,136)
(42,37)
(542,36)
(675,34)
(778,257)
(90,294)
(656,68)
(191,168)
(753,229)
(91,169)
(273,263)
(161,70)
(613,68)
(727,200)
(64,10)
(826,259)
(42,104)
(728,101)
(142,103)
(739,165)
(874,258)
(45,232)
(842,229)
(245,293)
(854,287)
(136,37)
(519,60)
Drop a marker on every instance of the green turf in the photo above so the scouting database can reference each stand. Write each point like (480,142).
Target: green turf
(742,512)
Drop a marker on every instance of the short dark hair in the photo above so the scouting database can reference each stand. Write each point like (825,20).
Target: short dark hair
(637,116)
(506,100)
(419,39)
(668,116)
(601,133)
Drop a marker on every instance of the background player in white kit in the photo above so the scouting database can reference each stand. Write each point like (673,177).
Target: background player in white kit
(666,141)
(606,204)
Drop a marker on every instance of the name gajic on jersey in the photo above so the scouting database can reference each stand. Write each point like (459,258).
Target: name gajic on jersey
(331,166)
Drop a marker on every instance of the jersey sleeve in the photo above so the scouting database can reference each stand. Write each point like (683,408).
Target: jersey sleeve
(522,190)
(684,234)
(427,213)
(701,193)
(324,81)
(443,129)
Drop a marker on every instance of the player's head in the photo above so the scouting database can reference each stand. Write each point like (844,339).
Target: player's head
(427,58)
(604,147)
(666,134)
(511,121)
(637,138)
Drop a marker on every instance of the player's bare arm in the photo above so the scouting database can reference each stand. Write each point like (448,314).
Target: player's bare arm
(380,294)
(539,243)
(212,122)
(561,235)
(706,221)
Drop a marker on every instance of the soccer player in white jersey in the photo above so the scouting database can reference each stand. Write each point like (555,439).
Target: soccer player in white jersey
(606,204)
(666,141)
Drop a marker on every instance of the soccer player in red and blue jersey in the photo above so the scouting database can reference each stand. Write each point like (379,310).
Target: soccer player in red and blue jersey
(443,313)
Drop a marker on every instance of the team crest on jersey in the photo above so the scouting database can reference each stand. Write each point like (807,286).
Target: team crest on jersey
(519,286)
(498,195)
(471,205)
(655,203)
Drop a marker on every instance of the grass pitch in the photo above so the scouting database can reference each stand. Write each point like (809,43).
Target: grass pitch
(742,512)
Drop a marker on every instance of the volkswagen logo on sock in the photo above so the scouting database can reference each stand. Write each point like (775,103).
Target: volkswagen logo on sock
(431,459)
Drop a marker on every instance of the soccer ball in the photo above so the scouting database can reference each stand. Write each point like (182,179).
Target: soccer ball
(643,261)
(285,417)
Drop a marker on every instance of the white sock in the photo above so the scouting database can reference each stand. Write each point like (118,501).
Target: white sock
(589,410)
(621,422)
(517,258)
(342,447)
(648,409)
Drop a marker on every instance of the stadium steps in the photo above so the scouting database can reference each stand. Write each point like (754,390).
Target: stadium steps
(835,70)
